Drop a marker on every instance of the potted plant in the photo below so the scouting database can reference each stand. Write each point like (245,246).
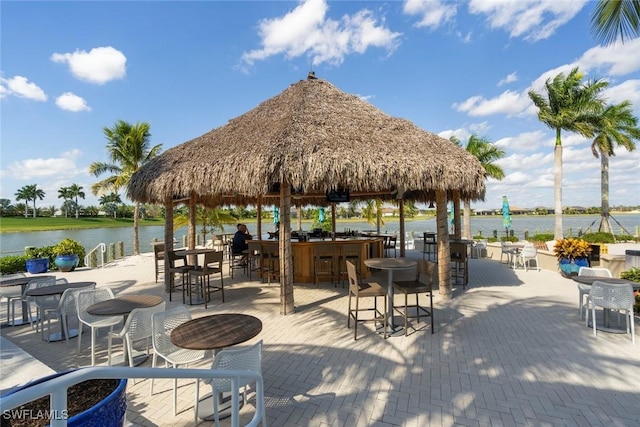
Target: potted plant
(37,260)
(68,254)
(572,254)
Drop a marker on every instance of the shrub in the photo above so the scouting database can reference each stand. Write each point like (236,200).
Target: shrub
(542,237)
(13,264)
(69,247)
(572,248)
(509,239)
(632,274)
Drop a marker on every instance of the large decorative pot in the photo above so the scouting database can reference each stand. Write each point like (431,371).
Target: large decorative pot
(37,265)
(570,266)
(67,262)
(109,412)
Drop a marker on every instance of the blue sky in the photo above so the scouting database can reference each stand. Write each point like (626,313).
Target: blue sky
(68,69)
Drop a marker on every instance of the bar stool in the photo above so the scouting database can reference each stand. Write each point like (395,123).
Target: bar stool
(324,263)
(460,264)
(425,278)
(352,254)
(430,247)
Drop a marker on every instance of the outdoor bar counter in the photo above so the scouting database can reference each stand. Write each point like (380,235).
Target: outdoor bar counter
(303,253)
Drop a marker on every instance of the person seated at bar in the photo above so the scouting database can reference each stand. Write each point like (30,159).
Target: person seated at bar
(276,233)
(239,243)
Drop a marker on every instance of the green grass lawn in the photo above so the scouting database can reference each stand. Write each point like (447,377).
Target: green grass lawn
(20,224)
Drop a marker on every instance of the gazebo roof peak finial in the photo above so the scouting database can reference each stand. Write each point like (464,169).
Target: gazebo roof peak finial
(311,75)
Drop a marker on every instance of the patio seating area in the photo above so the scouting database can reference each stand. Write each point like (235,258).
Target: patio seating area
(511,349)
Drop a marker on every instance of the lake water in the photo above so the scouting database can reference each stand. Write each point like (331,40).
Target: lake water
(14,243)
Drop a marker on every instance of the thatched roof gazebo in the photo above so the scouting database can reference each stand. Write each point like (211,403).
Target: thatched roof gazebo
(310,139)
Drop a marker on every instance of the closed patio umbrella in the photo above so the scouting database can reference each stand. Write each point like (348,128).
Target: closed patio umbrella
(276,215)
(506,216)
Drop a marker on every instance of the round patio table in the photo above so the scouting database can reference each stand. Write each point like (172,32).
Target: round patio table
(59,290)
(215,332)
(391,265)
(22,282)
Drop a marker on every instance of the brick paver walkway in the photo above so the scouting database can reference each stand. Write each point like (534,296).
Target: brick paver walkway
(509,351)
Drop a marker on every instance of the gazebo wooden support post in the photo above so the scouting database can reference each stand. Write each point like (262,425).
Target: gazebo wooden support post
(444,256)
(191,232)
(457,229)
(259,215)
(402,239)
(333,221)
(168,239)
(284,251)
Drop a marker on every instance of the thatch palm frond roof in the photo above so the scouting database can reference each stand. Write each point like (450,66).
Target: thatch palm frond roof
(316,138)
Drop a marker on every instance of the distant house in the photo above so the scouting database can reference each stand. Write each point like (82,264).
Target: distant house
(388,211)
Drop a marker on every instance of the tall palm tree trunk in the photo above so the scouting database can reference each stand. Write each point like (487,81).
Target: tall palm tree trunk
(605,225)
(34,207)
(557,188)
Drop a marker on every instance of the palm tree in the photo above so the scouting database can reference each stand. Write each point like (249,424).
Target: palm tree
(75,191)
(110,202)
(209,219)
(23,194)
(64,193)
(30,193)
(487,153)
(617,126)
(129,148)
(372,212)
(616,18)
(572,105)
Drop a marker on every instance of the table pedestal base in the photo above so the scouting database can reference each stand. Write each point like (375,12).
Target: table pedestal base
(59,336)
(604,323)
(205,406)
(123,360)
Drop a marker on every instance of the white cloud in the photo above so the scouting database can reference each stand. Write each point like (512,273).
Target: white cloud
(71,102)
(513,77)
(508,102)
(99,65)
(533,20)
(628,90)
(64,165)
(614,60)
(306,31)
(527,141)
(433,13)
(21,87)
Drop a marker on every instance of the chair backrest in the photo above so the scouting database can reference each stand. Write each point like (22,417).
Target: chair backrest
(594,272)
(173,258)
(505,246)
(49,301)
(138,324)
(213,258)
(458,251)
(243,359)
(354,283)
(529,251)
(39,282)
(86,298)
(69,299)
(426,272)
(158,251)
(61,281)
(612,295)
(162,323)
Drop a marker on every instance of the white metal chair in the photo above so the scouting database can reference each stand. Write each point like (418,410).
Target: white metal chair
(612,296)
(479,248)
(583,288)
(66,306)
(529,253)
(249,359)
(162,324)
(11,293)
(37,282)
(506,249)
(136,332)
(86,299)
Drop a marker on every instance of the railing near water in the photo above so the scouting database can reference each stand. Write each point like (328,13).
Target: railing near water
(57,388)
(103,249)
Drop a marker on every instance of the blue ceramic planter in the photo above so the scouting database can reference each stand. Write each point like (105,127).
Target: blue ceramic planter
(37,265)
(109,412)
(67,262)
(569,267)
